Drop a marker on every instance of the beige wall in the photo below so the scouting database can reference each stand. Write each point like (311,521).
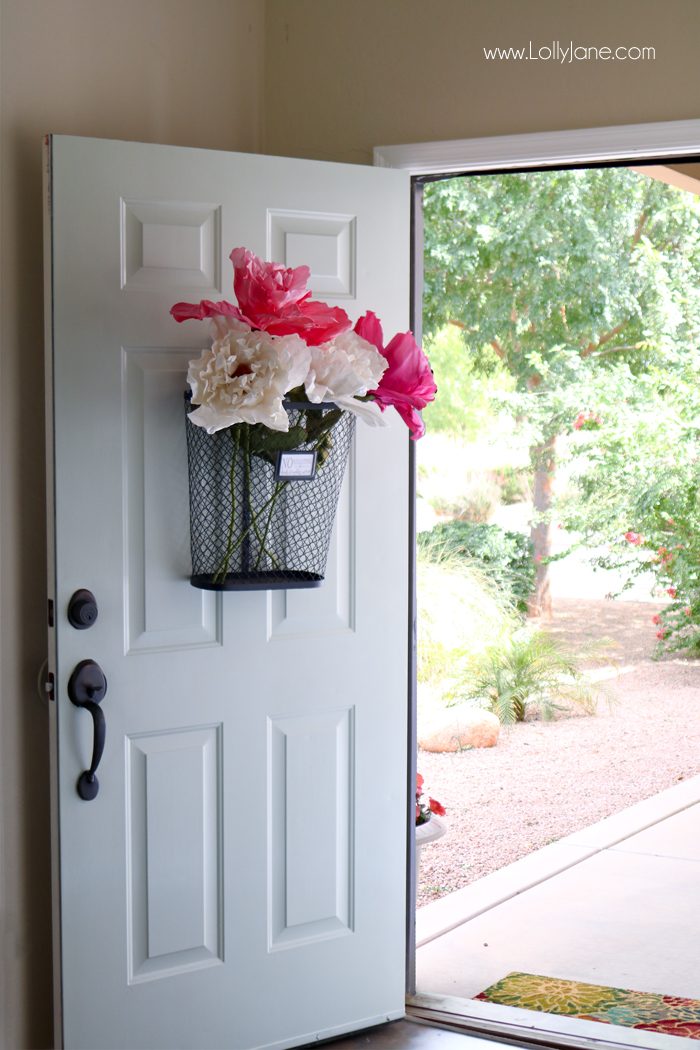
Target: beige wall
(343,76)
(340,76)
(175,71)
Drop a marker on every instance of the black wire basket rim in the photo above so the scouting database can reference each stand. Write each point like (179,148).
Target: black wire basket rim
(299,405)
(286,579)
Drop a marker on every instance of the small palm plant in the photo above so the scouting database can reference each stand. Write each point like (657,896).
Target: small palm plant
(528,668)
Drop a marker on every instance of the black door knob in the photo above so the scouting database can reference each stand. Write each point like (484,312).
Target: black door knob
(82,610)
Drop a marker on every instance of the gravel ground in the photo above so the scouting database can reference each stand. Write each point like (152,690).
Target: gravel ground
(545,780)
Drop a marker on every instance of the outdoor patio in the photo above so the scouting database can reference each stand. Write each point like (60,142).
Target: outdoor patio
(615,904)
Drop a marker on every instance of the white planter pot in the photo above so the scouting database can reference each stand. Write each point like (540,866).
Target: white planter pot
(434,829)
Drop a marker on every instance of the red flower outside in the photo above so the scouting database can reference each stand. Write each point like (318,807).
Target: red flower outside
(437,807)
(587,421)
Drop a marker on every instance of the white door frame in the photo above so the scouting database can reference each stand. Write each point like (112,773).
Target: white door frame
(628,144)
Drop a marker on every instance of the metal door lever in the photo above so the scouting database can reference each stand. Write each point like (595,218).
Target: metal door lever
(87,688)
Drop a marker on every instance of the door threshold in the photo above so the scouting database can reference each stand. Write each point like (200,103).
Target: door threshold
(528,1028)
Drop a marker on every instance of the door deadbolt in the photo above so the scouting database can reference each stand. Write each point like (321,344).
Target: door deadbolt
(82,610)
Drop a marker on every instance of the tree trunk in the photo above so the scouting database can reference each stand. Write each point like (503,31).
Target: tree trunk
(544,460)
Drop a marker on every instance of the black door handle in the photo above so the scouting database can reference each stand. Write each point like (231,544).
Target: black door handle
(87,688)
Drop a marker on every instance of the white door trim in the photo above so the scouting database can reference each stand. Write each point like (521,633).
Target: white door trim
(625,142)
(662,141)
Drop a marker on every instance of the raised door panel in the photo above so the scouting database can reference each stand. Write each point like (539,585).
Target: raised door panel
(160,613)
(311,773)
(174,852)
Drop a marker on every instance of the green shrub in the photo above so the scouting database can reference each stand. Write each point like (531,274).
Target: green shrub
(460,611)
(527,668)
(505,556)
(515,484)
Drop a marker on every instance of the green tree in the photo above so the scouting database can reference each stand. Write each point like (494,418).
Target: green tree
(561,277)
(634,489)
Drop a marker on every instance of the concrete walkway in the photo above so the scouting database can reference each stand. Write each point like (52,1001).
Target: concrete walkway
(615,904)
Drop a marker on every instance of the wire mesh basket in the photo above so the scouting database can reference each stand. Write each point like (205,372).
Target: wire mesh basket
(263,502)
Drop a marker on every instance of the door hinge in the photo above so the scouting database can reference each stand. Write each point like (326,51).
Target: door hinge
(49,686)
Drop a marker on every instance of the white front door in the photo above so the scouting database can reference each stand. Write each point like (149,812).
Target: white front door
(238,881)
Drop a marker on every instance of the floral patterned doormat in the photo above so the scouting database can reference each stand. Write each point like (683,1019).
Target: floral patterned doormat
(667,1014)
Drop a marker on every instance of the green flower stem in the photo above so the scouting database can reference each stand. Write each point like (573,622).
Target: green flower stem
(278,488)
(233,547)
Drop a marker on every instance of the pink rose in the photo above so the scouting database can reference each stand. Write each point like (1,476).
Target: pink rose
(656,619)
(634,538)
(672,591)
(408,382)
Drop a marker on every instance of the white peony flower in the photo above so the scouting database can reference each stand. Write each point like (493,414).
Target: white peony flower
(243,377)
(344,369)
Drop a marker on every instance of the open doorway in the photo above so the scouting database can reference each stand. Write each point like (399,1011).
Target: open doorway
(581,383)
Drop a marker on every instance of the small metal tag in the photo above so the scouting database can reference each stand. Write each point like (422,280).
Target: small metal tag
(295,466)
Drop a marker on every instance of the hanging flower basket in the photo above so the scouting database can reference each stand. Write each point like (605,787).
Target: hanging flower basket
(263,502)
(270,419)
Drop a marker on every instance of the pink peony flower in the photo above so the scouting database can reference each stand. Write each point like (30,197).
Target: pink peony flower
(266,288)
(275,298)
(634,538)
(203,309)
(272,298)
(408,382)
